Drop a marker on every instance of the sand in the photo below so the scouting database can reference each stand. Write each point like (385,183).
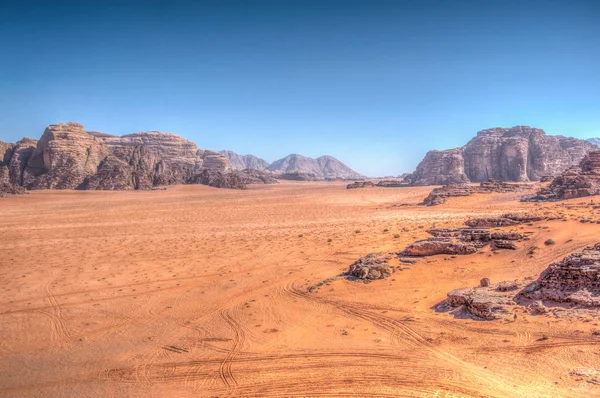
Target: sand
(197,291)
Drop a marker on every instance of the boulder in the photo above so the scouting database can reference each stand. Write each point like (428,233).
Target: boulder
(370,267)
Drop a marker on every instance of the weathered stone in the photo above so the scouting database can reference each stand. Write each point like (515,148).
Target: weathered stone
(576,182)
(439,195)
(575,279)
(503,245)
(370,267)
(519,153)
(360,184)
(64,156)
(482,302)
(432,247)
(509,219)
(440,168)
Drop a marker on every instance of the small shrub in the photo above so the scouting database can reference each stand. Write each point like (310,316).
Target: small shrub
(385,230)
(357,231)
(396,236)
(549,242)
(300,235)
(329,240)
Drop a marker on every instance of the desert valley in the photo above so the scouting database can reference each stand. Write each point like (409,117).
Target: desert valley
(143,266)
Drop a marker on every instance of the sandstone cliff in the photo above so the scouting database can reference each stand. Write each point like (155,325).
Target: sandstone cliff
(516,154)
(68,157)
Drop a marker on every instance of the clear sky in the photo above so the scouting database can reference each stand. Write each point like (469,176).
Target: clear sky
(374,83)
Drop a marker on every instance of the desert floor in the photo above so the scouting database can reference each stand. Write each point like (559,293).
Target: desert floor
(197,291)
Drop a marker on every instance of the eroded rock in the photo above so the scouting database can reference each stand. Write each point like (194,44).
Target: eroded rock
(372,266)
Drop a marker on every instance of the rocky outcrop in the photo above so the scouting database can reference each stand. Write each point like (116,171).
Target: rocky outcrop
(382,184)
(360,184)
(68,157)
(461,241)
(515,154)
(323,168)
(575,279)
(439,195)
(576,182)
(508,219)
(64,157)
(484,302)
(440,168)
(243,162)
(370,267)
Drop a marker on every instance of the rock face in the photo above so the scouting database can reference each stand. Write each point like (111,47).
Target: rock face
(576,182)
(68,157)
(243,162)
(324,167)
(439,195)
(575,279)
(370,267)
(508,219)
(64,156)
(516,154)
(440,168)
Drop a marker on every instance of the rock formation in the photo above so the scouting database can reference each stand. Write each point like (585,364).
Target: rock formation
(360,184)
(576,182)
(516,154)
(462,241)
(575,279)
(370,267)
(439,195)
(323,168)
(243,162)
(68,157)
(440,168)
(64,156)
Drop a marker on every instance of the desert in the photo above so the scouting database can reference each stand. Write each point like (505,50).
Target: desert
(200,291)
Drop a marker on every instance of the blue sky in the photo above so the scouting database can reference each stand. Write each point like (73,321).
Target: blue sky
(374,83)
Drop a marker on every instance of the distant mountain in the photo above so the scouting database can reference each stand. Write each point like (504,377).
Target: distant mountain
(241,162)
(324,167)
(595,141)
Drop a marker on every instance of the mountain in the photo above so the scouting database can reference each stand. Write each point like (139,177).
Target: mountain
(300,167)
(68,157)
(595,141)
(519,153)
(241,162)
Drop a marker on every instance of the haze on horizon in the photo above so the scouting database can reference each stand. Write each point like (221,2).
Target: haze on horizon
(374,83)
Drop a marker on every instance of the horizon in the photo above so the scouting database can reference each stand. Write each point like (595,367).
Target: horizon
(375,85)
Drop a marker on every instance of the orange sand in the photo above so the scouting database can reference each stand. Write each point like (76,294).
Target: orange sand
(197,291)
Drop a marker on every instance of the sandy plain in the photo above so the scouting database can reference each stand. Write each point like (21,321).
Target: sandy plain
(197,291)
